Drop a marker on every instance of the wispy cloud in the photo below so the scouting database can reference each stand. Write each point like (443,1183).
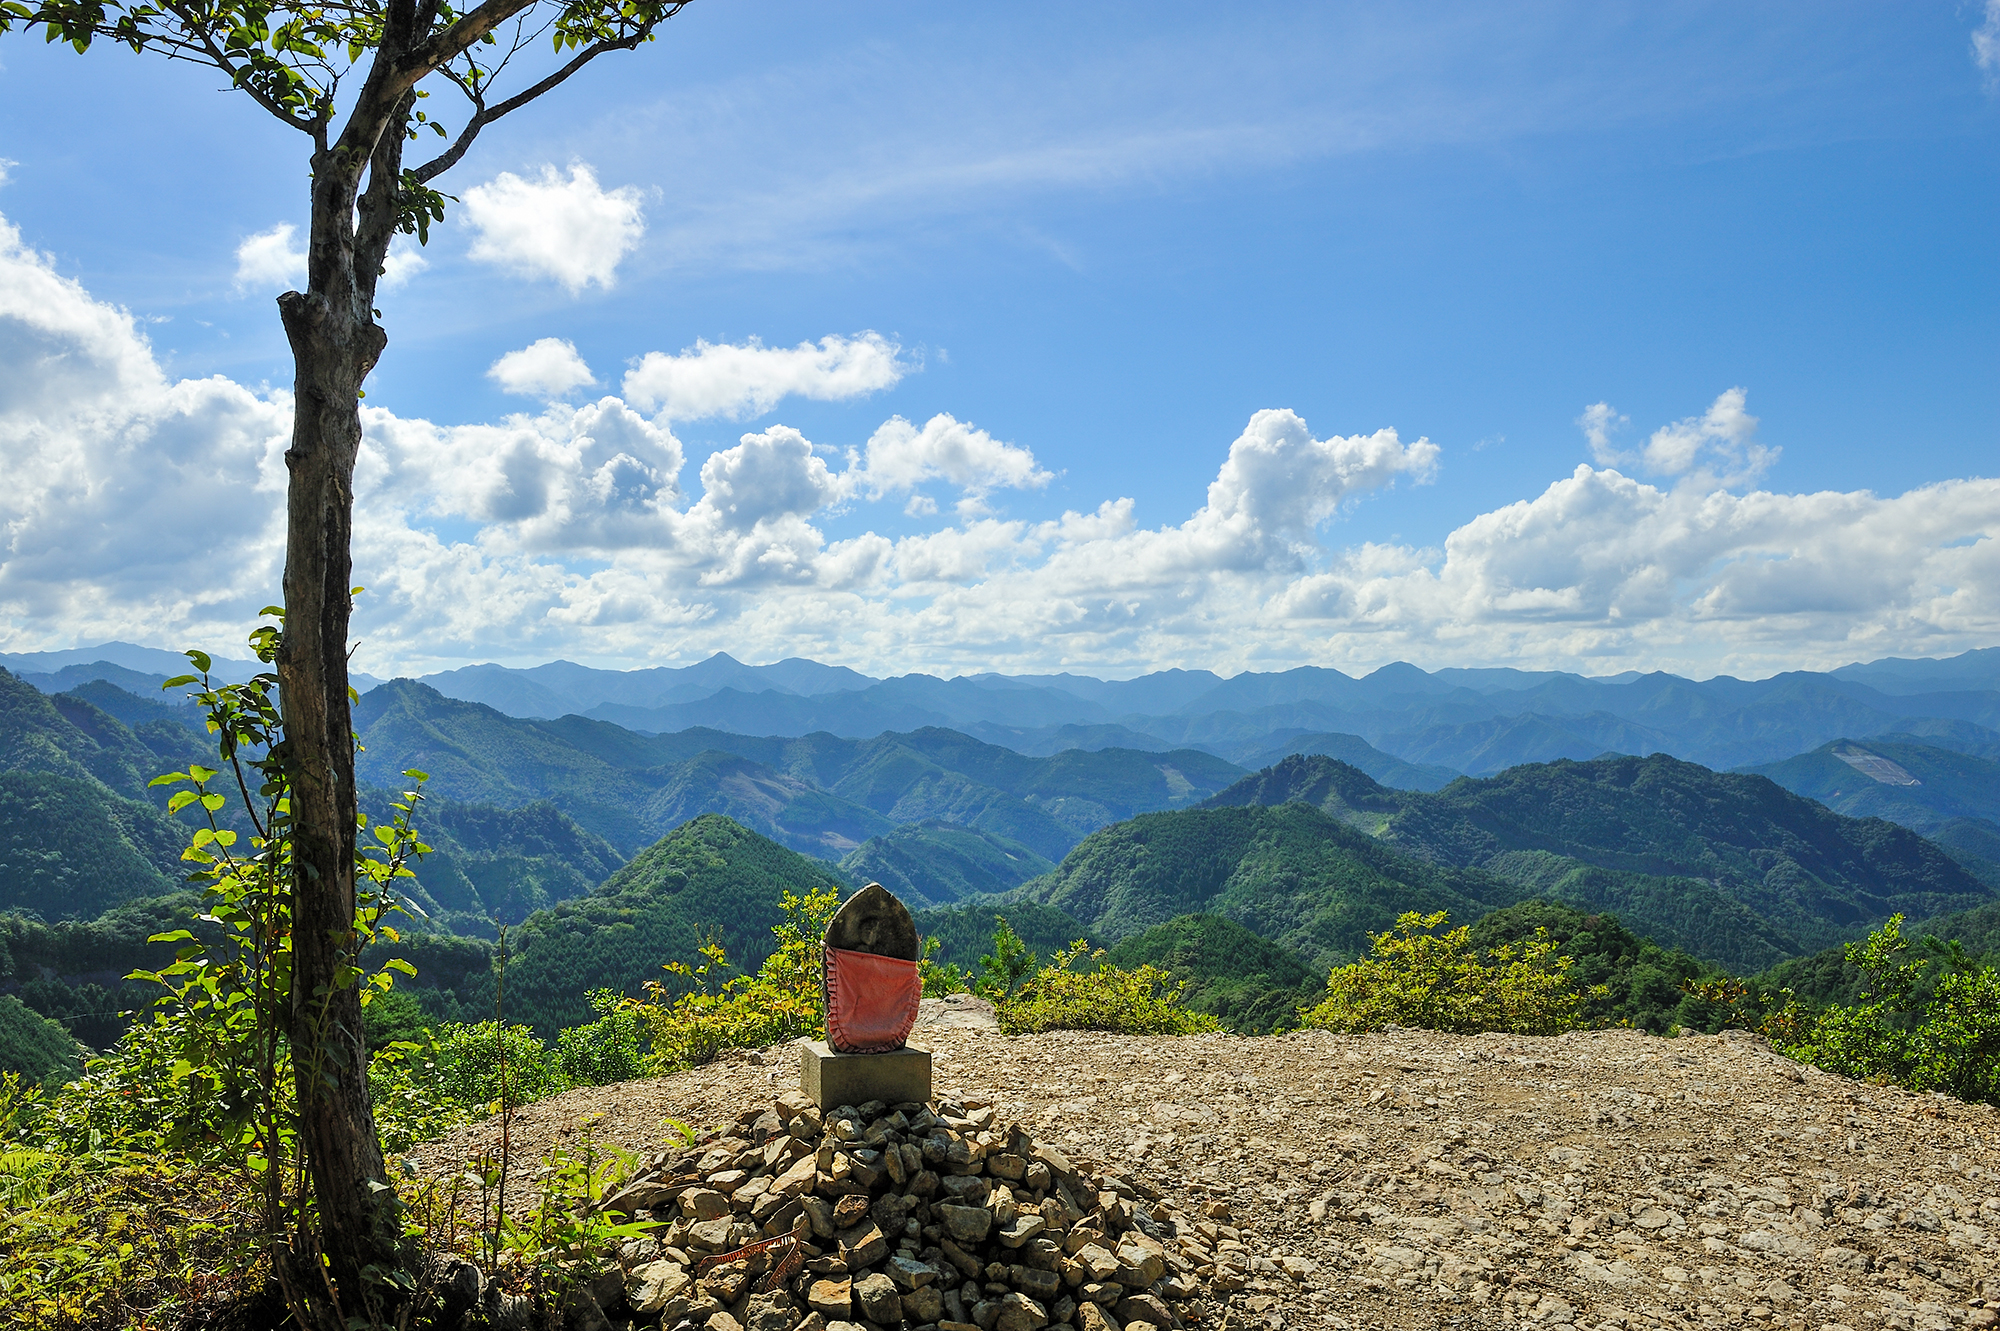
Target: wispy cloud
(1986,45)
(883,138)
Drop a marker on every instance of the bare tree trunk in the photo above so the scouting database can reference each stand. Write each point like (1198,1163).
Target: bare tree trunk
(335,343)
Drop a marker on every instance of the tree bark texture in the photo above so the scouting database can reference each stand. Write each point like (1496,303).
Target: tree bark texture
(335,343)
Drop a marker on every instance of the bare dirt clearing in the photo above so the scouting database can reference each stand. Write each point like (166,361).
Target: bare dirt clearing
(1411,1179)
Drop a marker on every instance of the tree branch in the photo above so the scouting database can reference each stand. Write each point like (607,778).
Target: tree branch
(484,116)
(380,207)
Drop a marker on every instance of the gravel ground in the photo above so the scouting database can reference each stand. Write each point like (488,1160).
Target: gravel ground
(1596,1179)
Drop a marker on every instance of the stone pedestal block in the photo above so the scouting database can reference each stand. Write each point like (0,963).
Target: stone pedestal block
(830,1079)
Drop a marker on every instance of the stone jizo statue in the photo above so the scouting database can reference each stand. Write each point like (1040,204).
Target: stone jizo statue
(871,983)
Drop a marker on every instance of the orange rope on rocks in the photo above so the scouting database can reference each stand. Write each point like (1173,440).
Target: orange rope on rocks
(787,1267)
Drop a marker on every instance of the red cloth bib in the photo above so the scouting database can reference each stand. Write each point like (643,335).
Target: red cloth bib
(871,1001)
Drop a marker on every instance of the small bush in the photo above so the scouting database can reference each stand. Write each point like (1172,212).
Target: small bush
(941,978)
(1007,966)
(123,1233)
(1949,1043)
(1439,981)
(1059,996)
(460,1073)
(612,1048)
(782,1001)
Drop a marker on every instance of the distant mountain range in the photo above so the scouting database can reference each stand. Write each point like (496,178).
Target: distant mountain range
(1172,816)
(1313,854)
(819,793)
(1472,721)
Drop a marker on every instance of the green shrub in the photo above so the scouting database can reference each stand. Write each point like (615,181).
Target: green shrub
(782,1001)
(485,1065)
(391,1015)
(940,977)
(1003,970)
(612,1048)
(1949,1041)
(1438,981)
(121,1233)
(1060,996)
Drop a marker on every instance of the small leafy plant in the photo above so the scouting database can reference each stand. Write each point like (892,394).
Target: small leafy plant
(782,1001)
(1075,991)
(610,1049)
(1003,970)
(1418,976)
(1949,1042)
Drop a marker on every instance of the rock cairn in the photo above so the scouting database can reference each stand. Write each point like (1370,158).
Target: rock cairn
(926,1217)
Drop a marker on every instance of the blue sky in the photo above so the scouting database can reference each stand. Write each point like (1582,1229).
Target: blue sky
(1100,243)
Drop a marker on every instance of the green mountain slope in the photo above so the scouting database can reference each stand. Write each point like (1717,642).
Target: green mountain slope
(1975,844)
(1252,985)
(1898,778)
(70,849)
(933,863)
(708,878)
(34,1046)
(1642,981)
(1731,867)
(69,737)
(487,863)
(778,804)
(817,793)
(1290,873)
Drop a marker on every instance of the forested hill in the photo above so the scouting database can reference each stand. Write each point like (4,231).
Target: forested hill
(78,831)
(1290,873)
(708,879)
(1730,866)
(816,793)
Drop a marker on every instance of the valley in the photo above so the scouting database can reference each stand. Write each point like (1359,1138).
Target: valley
(608,847)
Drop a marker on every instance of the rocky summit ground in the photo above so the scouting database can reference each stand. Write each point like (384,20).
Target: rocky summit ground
(1412,1179)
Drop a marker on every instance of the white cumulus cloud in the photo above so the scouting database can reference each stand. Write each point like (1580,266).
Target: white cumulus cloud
(400,265)
(549,368)
(134,504)
(588,479)
(145,508)
(736,381)
(269,260)
(901,456)
(572,230)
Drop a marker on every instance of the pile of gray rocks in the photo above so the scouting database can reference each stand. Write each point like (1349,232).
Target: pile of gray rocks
(924,1217)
